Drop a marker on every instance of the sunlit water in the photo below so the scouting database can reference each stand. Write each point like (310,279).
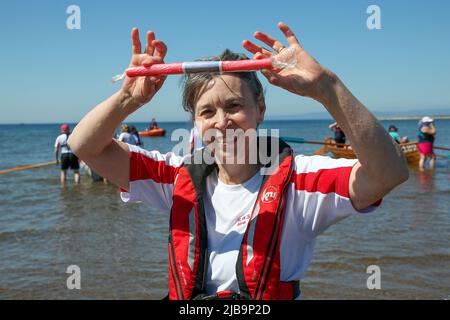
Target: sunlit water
(121,249)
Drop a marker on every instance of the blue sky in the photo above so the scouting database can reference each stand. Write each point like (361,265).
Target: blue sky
(52,74)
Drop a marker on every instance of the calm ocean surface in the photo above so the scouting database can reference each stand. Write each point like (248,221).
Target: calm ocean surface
(121,249)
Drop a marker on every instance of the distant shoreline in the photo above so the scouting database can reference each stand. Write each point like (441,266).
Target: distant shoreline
(413,118)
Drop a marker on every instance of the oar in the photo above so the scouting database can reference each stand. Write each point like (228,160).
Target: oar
(321,151)
(33,166)
(442,156)
(301,140)
(324,149)
(441,148)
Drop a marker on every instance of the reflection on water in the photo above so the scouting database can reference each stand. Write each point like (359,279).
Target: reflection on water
(426,180)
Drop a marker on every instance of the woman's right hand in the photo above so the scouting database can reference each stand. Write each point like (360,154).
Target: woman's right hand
(140,90)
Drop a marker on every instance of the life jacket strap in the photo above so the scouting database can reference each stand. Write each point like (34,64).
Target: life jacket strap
(289,290)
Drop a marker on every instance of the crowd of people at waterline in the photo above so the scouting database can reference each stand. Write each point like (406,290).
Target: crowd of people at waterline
(129,134)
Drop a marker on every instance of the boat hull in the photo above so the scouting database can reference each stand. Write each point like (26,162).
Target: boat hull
(409,150)
(160,132)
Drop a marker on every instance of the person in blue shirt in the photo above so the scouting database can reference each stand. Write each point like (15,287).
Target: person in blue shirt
(393,132)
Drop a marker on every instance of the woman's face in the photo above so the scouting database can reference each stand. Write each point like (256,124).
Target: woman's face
(225,105)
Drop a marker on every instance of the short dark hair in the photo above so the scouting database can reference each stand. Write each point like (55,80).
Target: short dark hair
(193,83)
(392,128)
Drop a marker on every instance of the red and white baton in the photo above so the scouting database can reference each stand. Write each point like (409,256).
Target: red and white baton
(204,66)
(200,66)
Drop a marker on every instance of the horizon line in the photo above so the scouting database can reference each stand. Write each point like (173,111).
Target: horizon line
(393,118)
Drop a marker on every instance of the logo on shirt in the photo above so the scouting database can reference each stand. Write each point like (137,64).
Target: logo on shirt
(243,220)
(269,194)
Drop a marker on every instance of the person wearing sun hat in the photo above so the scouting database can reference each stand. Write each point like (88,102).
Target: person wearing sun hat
(68,158)
(427,135)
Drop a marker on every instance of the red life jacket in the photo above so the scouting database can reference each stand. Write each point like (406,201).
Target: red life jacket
(258,263)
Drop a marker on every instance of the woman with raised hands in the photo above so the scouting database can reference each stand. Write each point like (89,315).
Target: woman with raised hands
(236,232)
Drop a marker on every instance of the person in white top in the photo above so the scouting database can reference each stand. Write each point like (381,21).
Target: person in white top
(126,136)
(68,159)
(320,191)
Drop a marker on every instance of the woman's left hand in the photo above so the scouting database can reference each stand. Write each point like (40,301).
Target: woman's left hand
(304,78)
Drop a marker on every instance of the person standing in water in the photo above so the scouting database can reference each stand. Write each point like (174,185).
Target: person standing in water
(339,135)
(137,137)
(68,158)
(427,134)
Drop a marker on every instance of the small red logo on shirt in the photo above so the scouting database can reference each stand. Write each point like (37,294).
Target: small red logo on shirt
(270,194)
(243,220)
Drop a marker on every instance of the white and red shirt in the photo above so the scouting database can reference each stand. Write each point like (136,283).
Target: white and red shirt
(317,197)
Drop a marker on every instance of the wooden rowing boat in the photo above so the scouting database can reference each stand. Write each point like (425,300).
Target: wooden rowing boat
(345,151)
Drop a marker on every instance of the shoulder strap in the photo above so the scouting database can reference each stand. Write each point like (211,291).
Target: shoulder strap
(188,233)
(65,143)
(258,265)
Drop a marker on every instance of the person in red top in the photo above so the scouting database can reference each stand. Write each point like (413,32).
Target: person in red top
(231,226)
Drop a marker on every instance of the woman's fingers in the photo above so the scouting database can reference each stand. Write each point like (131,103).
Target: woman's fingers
(160,81)
(147,86)
(259,55)
(155,51)
(291,38)
(137,49)
(253,48)
(150,49)
(146,60)
(272,42)
(161,49)
(272,77)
